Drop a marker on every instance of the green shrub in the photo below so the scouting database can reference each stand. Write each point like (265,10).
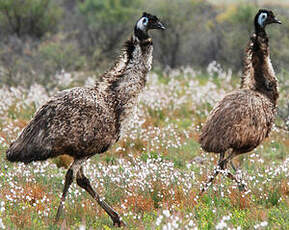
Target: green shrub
(26,64)
(55,56)
(29,17)
(108,23)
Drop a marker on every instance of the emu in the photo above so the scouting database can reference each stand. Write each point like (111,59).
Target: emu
(243,118)
(82,122)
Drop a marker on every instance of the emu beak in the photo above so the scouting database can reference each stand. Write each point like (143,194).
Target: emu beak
(275,20)
(160,26)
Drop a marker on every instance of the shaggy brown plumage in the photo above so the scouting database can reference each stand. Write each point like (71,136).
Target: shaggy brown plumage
(243,118)
(82,122)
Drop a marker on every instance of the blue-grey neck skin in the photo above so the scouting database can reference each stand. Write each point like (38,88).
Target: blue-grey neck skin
(141,34)
(259,29)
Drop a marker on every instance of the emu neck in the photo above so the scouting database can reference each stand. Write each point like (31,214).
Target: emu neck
(263,79)
(140,34)
(128,77)
(260,31)
(131,82)
(248,76)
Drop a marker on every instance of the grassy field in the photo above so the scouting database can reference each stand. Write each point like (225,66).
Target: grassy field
(152,177)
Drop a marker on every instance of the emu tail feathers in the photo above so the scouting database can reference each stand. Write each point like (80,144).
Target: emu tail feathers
(19,152)
(32,144)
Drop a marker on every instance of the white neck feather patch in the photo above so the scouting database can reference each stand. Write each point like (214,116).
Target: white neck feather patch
(142,24)
(262,18)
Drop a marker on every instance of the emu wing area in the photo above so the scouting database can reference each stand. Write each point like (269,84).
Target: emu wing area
(79,122)
(240,121)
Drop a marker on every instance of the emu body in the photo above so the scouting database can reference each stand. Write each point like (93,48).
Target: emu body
(239,122)
(82,122)
(243,118)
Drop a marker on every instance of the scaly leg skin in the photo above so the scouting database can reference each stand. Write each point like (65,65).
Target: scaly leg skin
(216,172)
(68,181)
(84,183)
(241,186)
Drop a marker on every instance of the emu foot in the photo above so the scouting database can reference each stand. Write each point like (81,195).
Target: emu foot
(118,222)
(59,211)
(204,189)
(56,220)
(242,187)
(241,183)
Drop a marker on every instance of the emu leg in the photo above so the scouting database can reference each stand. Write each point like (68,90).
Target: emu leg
(84,183)
(216,172)
(241,186)
(233,166)
(68,181)
(230,175)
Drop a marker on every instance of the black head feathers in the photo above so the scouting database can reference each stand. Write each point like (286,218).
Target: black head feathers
(263,18)
(145,23)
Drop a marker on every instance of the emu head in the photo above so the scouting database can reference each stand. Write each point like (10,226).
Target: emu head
(145,23)
(264,18)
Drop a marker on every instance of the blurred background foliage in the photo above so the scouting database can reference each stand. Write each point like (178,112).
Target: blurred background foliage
(40,38)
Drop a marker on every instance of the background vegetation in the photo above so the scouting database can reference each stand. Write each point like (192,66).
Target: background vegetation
(42,37)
